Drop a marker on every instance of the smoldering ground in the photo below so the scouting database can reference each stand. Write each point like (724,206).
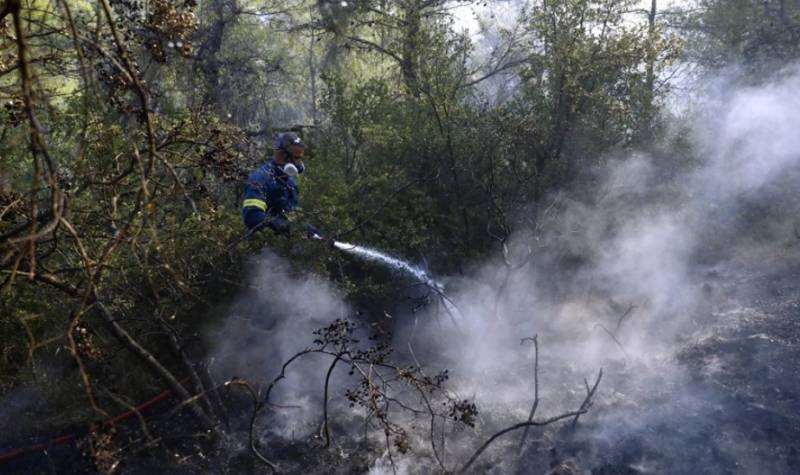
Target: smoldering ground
(674,273)
(639,276)
(270,322)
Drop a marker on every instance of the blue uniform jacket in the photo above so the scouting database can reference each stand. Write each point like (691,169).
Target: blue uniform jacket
(269,193)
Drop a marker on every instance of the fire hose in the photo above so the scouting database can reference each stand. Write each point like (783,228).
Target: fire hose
(106,423)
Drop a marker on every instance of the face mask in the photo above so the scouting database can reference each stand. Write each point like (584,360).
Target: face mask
(291,170)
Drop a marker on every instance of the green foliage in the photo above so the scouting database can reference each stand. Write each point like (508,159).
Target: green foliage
(401,156)
(758,34)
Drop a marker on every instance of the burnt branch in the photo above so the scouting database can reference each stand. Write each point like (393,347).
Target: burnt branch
(623,317)
(325,429)
(613,337)
(535,405)
(381,387)
(258,405)
(499,434)
(587,402)
(583,409)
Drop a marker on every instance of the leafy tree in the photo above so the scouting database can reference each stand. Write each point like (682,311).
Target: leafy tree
(757,34)
(127,130)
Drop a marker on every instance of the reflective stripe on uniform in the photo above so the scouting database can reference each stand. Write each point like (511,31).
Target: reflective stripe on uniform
(255,202)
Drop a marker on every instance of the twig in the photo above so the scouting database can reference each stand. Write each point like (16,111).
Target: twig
(282,374)
(325,429)
(258,404)
(199,388)
(122,402)
(535,341)
(439,459)
(209,381)
(587,403)
(363,220)
(389,452)
(613,337)
(491,439)
(150,360)
(622,318)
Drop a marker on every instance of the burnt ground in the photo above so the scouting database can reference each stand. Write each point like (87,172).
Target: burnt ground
(732,408)
(753,361)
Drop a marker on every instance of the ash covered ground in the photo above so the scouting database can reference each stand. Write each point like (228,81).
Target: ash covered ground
(732,405)
(726,401)
(723,398)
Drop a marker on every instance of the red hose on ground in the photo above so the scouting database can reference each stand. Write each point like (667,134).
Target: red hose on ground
(108,422)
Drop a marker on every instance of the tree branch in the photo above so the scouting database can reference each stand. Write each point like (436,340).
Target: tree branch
(495,71)
(151,361)
(258,404)
(376,47)
(587,403)
(535,341)
(325,429)
(491,439)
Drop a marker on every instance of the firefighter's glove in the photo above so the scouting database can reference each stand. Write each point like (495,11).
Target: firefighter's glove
(313,232)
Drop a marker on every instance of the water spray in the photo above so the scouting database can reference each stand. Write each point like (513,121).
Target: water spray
(374,255)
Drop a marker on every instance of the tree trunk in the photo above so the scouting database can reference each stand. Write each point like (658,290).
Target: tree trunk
(312,72)
(648,117)
(410,55)
(208,63)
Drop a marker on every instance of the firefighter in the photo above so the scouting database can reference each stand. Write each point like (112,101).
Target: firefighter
(272,191)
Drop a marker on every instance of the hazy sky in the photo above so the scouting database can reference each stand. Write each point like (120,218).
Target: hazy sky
(466,14)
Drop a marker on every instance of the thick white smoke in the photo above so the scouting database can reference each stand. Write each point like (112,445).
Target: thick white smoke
(270,322)
(642,245)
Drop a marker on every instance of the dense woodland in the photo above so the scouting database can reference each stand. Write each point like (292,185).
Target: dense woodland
(128,129)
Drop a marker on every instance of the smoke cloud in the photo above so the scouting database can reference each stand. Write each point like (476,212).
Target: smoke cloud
(648,256)
(270,322)
(640,275)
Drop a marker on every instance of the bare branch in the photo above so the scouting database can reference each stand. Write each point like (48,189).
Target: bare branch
(535,341)
(325,429)
(258,404)
(587,403)
(497,70)
(613,337)
(376,47)
(151,362)
(491,439)
(622,318)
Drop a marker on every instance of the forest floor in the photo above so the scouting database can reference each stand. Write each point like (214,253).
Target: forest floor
(733,407)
